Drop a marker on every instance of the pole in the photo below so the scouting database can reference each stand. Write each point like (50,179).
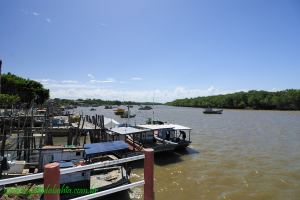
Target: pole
(51,181)
(0,74)
(149,174)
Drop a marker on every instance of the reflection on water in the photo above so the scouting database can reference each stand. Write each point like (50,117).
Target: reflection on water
(236,155)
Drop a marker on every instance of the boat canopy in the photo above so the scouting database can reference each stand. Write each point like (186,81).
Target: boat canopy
(110,120)
(127,130)
(63,164)
(156,126)
(104,147)
(164,126)
(108,123)
(180,127)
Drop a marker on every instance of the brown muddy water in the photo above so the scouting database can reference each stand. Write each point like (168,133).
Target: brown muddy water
(237,155)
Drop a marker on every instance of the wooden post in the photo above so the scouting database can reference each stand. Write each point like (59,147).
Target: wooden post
(149,174)
(51,181)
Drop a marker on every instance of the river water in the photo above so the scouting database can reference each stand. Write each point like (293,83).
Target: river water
(238,155)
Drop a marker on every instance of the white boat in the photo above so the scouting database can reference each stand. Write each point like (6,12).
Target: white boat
(174,134)
(211,111)
(98,179)
(139,139)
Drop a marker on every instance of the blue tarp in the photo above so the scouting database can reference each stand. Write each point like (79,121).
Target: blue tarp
(63,164)
(104,147)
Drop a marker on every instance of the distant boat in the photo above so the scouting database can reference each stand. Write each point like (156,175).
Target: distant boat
(211,111)
(93,109)
(127,115)
(119,111)
(108,107)
(145,108)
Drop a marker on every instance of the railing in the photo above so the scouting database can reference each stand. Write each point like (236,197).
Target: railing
(52,174)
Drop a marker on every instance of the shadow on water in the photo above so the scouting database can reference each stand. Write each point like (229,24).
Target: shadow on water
(124,195)
(187,151)
(166,158)
(136,164)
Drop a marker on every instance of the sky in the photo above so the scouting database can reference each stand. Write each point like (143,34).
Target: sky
(145,50)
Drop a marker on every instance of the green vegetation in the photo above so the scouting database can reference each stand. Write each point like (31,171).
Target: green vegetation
(97,102)
(282,100)
(6,99)
(27,90)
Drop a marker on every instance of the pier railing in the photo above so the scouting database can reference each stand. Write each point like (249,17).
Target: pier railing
(52,174)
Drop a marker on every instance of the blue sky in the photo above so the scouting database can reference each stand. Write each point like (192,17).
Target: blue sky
(166,49)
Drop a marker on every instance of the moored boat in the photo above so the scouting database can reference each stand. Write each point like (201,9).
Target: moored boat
(119,111)
(98,179)
(174,134)
(127,114)
(139,139)
(211,111)
(108,107)
(145,108)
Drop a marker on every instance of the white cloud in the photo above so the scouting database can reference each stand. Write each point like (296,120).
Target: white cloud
(136,79)
(72,89)
(108,80)
(69,81)
(48,20)
(132,95)
(35,13)
(91,76)
(45,81)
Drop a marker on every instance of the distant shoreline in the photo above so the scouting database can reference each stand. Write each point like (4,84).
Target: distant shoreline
(242,109)
(251,100)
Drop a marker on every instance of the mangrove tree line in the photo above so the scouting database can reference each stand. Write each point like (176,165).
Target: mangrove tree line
(281,100)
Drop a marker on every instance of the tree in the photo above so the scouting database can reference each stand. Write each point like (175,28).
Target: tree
(27,90)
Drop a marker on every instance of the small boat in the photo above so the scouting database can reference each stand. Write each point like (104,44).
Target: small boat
(98,179)
(157,122)
(119,111)
(93,109)
(173,134)
(211,111)
(145,108)
(107,107)
(138,139)
(127,114)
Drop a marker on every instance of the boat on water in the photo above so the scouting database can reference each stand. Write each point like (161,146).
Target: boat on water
(127,114)
(138,139)
(119,111)
(145,108)
(93,109)
(211,111)
(108,107)
(98,179)
(173,134)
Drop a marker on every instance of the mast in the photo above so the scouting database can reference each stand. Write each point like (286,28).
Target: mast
(128,114)
(153,109)
(0,74)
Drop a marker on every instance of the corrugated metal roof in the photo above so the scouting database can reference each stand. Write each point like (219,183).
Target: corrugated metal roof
(164,126)
(63,164)
(127,130)
(180,127)
(104,147)
(156,126)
